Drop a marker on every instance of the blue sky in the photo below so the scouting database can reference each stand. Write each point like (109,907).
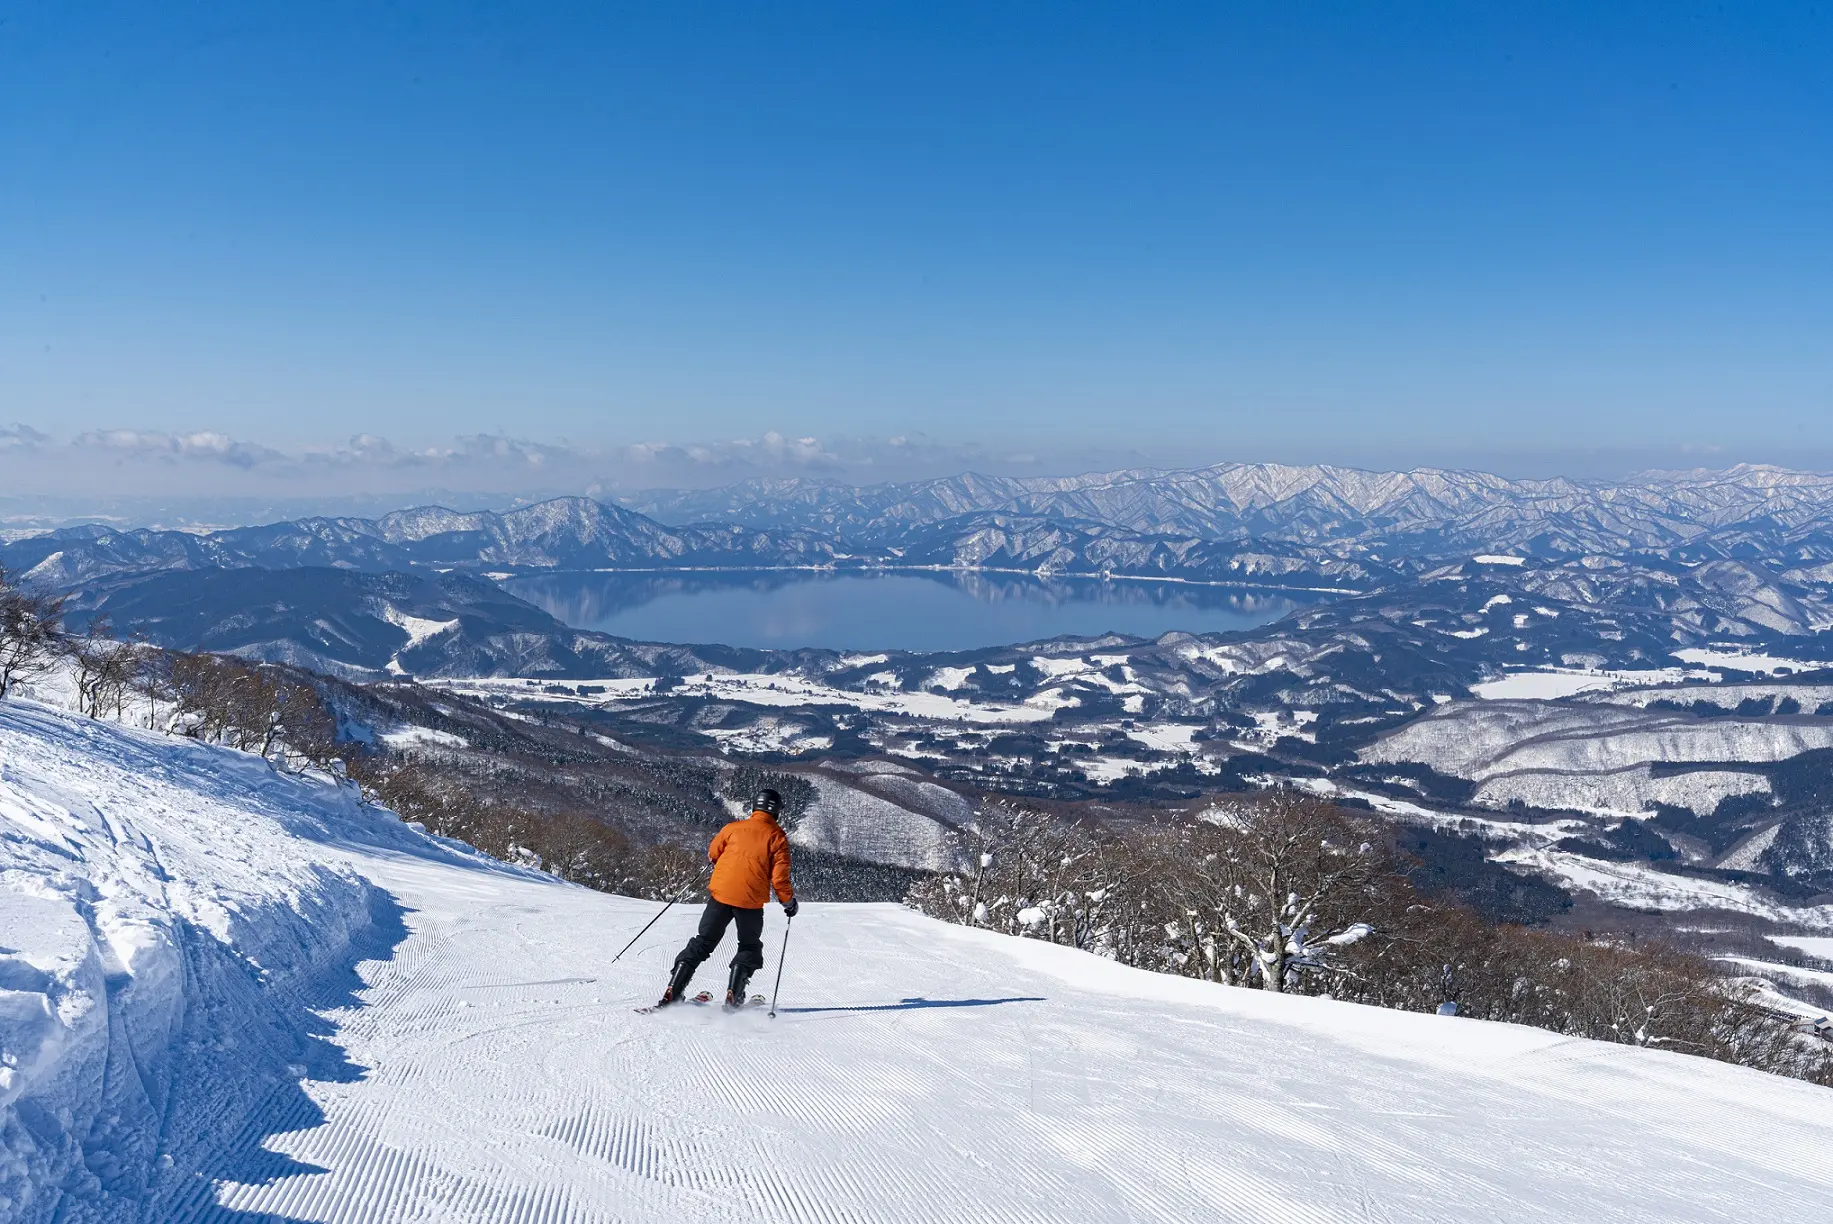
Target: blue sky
(1531,238)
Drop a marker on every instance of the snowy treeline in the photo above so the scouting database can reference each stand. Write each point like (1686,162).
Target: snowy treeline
(1266,894)
(575,845)
(580,846)
(276,712)
(31,634)
(743,784)
(289,718)
(547,797)
(1286,892)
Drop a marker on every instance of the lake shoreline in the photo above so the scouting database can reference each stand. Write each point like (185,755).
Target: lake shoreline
(915,608)
(846,571)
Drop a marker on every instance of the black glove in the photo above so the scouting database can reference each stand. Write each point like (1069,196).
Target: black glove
(791,907)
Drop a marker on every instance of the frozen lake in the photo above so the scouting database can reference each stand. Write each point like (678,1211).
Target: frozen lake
(884,611)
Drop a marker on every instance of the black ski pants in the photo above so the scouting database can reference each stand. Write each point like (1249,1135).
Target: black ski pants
(713,923)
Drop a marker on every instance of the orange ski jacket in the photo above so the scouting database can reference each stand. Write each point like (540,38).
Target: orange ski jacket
(749,858)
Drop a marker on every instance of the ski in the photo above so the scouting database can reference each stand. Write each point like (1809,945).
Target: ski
(703,998)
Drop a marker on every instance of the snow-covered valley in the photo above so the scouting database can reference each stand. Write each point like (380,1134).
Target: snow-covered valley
(234,995)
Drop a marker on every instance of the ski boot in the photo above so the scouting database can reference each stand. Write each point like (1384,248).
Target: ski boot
(735,989)
(677,984)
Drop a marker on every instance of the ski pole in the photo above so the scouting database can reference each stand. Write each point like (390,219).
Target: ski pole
(781,956)
(679,897)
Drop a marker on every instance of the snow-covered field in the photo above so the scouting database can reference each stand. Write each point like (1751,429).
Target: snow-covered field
(227,995)
(1738,660)
(777,689)
(1484,739)
(1814,945)
(1598,757)
(1631,791)
(1641,886)
(1552,683)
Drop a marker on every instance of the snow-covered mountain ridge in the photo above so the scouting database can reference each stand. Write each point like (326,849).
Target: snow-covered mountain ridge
(1322,525)
(1690,557)
(1425,509)
(233,995)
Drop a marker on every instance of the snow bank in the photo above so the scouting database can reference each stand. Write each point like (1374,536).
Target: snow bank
(165,907)
(420,737)
(949,678)
(1170,737)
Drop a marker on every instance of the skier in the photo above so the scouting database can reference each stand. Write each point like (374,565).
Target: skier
(749,858)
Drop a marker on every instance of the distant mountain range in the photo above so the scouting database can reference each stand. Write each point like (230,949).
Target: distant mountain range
(1686,557)
(1260,524)
(565,533)
(1430,587)
(1746,510)
(579,534)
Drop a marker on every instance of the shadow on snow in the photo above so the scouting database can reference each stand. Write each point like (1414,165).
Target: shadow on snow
(914,1004)
(248,1051)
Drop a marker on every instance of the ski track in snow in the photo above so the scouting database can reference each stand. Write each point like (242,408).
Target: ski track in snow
(916,1072)
(521,1098)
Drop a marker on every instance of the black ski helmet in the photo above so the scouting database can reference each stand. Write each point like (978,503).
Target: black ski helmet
(767,801)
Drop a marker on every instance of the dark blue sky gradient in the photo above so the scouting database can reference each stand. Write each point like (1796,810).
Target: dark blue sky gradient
(1387,233)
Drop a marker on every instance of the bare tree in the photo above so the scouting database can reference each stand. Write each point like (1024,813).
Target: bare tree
(1181,892)
(1285,892)
(1030,874)
(31,630)
(253,707)
(152,680)
(105,669)
(116,678)
(1283,881)
(1160,915)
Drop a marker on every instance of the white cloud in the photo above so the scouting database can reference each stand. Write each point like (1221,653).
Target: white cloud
(643,464)
(21,438)
(151,462)
(206,445)
(848,459)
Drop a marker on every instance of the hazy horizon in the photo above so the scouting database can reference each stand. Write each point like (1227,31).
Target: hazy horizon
(330,250)
(198,510)
(207,464)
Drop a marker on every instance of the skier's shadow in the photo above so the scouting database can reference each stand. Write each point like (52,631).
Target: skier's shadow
(915,1004)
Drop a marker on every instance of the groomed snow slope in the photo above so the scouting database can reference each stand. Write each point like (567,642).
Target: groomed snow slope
(482,1061)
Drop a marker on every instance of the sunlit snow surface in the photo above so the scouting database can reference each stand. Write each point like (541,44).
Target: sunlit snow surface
(1814,945)
(791,691)
(483,1063)
(1552,683)
(1734,660)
